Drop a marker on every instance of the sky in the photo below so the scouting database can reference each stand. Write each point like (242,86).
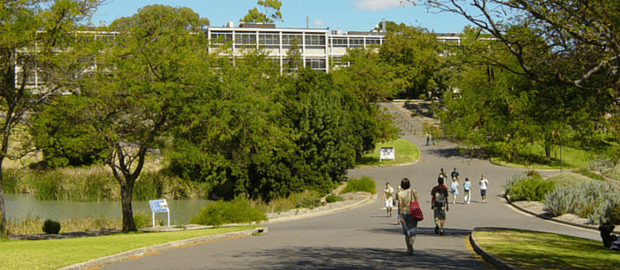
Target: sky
(344,15)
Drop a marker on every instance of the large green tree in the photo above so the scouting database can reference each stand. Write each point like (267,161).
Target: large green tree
(416,58)
(565,54)
(38,37)
(139,92)
(271,12)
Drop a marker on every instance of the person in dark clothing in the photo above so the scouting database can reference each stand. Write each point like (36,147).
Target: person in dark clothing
(608,238)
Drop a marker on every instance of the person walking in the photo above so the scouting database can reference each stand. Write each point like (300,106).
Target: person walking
(443,175)
(439,204)
(404,197)
(388,198)
(466,191)
(454,189)
(454,174)
(484,183)
(398,190)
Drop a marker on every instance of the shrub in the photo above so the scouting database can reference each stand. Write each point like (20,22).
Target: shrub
(590,174)
(365,184)
(568,179)
(222,212)
(333,198)
(615,215)
(307,199)
(51,227)
(594,200)
(530,189)
(141,219)
(10,180)
(510,182)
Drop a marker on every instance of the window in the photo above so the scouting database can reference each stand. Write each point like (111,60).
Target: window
(287,38)
(221,38)
(340,42)
(269,39)
(315,40)
(245,38)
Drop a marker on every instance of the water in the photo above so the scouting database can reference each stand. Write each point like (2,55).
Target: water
(22,206)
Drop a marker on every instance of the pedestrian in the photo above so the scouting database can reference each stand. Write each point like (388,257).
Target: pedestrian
(405,196)
(606,229)
(454,189)
(443,175)
(399,189)
(439,204)
(454,175)
(484,183)
(428,139)
(388,198)
(466,191)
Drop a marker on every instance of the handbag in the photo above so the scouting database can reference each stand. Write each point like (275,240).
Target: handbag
(414,209)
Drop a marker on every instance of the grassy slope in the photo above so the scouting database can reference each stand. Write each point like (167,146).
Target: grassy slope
(53,254)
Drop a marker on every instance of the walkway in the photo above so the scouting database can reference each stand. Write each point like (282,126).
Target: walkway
(364,238)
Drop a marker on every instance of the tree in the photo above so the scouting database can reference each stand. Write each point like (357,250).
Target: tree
(390,26)
(566,51)
(271,12)
(366,81)
(138,93)
(51,26)
(416,58)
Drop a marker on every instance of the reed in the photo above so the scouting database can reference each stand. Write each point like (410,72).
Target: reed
(34,225)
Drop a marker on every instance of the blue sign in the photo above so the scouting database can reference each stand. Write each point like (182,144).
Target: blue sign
(159,206)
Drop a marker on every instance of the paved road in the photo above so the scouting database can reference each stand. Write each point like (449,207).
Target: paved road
(364,238)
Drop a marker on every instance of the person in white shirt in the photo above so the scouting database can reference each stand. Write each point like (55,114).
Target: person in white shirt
(388,198)
(484,183)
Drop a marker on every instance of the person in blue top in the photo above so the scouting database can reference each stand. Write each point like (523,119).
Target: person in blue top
(466,191)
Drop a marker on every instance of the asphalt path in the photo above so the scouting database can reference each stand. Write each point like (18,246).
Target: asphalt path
(364,237)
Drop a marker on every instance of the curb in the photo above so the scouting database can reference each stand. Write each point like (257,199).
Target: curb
(145,250)
(500,264)
(365,201)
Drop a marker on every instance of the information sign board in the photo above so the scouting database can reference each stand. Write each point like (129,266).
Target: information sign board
(386,153)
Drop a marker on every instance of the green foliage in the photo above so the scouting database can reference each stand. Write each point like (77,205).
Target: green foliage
(307,199)
(365,184)
(568,179)
(11,180)
(141,219)
(589,174)
(221,212)
(271,12)
(51,227)
(333,198)
(531,189)
(614,217)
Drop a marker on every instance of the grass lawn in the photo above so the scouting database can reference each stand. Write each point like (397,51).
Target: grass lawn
(53,254)
(536,250)
(404,152)
(571,158)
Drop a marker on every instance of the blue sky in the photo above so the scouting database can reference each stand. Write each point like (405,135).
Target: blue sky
(345,15)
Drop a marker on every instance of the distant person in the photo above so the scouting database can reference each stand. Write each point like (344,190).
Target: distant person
(443,175)
(608,239)
(428,139)
(454,189)
(388,198)
(404,197)
(484,183)
(466,191)
(454,174)
(439,203)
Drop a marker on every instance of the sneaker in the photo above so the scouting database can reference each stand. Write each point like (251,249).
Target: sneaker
(436,229)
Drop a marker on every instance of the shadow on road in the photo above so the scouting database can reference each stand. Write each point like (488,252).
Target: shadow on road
(365,258)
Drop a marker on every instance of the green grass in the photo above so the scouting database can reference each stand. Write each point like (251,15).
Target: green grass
(537,250)
(571,158)
(53,254)
(404,152)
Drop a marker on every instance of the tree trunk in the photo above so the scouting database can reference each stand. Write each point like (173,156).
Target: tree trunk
(126,190)
(3,232)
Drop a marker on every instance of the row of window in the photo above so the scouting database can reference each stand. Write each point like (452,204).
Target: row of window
(289,38)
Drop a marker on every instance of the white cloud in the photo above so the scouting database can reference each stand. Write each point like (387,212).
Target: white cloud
(318,23)
(376,5)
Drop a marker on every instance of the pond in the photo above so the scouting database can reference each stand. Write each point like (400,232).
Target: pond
(22,206)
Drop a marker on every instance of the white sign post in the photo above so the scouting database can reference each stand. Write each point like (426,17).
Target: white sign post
(159,206)
(386,153)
